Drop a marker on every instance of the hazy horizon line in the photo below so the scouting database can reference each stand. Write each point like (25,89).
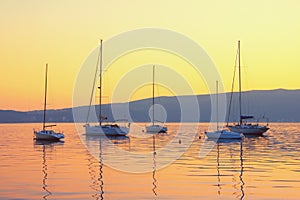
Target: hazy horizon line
(71,107)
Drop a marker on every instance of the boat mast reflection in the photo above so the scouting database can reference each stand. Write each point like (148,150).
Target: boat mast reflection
(94,176)
(241,194)
(218,169)
(45,177)
(101,171)
(98,174)
(46,145)
(154,167)
(241,172)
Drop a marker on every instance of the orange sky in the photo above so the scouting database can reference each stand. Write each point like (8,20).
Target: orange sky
(63,33)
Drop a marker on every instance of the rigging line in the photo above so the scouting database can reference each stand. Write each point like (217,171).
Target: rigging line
(158,97)
(246,99)
(232,87)
(240,83)
(92,93)
(45,97)
(247,94)
(100,85)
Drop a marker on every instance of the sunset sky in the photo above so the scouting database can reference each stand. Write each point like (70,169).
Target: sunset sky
(63,33)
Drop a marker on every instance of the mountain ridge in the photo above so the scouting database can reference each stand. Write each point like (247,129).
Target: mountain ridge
(280,105)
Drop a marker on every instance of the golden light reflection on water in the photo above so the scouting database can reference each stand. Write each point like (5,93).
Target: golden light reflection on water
(256,168)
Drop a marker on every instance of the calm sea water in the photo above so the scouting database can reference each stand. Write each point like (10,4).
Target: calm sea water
(143,166)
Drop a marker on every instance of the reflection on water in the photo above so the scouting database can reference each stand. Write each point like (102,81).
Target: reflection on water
(95,166)
(96,173)
(242,171)
(46,145)
(229,166)
(48,193)
(253,168)
(93,172)
(218,169)
(240,194)
(154,167)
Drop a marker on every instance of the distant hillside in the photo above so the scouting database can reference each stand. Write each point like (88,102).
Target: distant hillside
(277,105)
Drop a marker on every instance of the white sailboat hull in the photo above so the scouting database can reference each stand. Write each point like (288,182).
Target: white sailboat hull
(223,134)
(48,135)
(249,129)
(109,130)
(156,129)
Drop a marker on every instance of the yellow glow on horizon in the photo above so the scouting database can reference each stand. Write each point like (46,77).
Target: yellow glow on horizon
(173,76)
(63,33)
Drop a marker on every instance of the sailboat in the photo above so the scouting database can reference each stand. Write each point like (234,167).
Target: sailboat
(154,127)
(47,134)
(242,126)
(109,129)
(221,134)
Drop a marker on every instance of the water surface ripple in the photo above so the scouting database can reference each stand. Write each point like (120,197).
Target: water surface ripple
(254,168)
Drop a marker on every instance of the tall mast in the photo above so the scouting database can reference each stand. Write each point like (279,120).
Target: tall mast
(240,84)
(217,101)
(153,95)
(100,86)
(45,97)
